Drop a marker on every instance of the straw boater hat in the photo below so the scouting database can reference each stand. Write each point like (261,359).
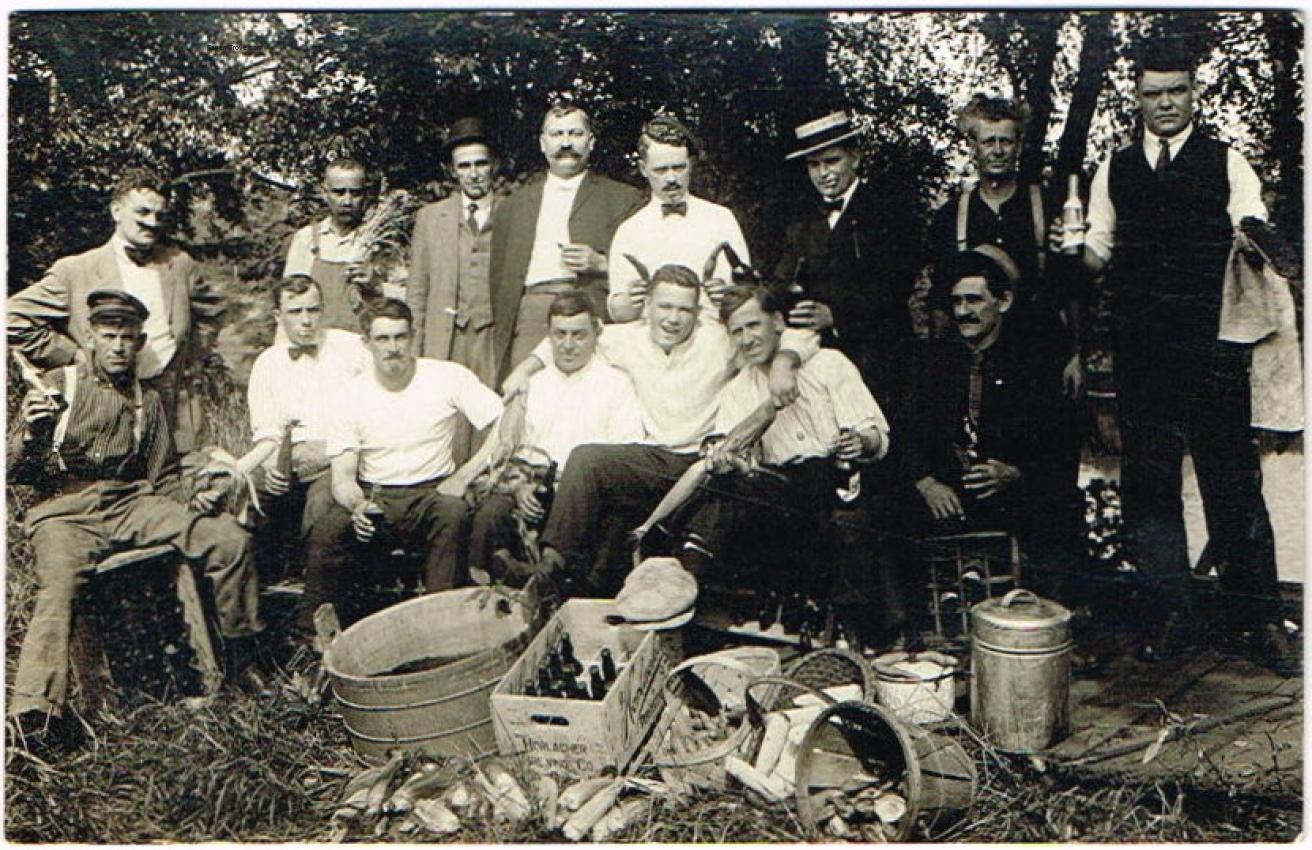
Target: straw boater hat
(823,132)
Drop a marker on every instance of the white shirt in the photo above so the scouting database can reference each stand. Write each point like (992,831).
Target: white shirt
(482,212)
(846,197)
(332,248)
(281,389)
(687,240)
(1245,191)
(679,391)
(544,262)
(404,437)
(596,404)
(831,395)
(144,283)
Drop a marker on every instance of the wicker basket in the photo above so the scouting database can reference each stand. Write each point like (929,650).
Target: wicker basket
(826,668)
(726,674)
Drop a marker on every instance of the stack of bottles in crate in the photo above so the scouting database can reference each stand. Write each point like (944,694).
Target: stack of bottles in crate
(563,676)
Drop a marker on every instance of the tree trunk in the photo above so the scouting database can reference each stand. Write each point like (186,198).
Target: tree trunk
(1284,31)
(1094,53)
(1038,91)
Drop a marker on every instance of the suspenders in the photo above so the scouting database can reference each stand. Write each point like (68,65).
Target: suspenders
(1036,213)
(70,393)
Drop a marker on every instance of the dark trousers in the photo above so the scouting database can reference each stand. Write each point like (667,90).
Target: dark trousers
(279,540)
(812,543)
(607,491)
(339,568)
(1199,403)
(494,527)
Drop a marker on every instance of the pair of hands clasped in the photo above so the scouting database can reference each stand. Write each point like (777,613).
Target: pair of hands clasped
(982,480)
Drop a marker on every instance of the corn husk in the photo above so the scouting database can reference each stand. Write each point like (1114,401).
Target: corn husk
(548,794)
(508,800)
(435,818)
(582,821)
(619,818)
(580,792)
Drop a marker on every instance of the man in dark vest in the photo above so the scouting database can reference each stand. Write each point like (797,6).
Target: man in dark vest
(853,256)
(1167,207)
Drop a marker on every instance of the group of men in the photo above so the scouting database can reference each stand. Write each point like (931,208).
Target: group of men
(614,333)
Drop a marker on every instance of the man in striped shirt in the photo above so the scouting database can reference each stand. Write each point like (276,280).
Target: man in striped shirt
(107,444)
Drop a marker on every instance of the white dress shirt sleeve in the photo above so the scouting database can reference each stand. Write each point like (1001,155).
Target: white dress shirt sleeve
(262,401)
(854,405)
(1245,189)
(1101,236)
(620,272)
(734,404)
(624,422)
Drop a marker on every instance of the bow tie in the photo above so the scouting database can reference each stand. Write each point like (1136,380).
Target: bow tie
(298,351)
(138,256)
(829,206)
(680,208)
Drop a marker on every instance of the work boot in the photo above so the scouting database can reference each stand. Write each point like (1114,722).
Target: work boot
(1169,640)
(1271,648)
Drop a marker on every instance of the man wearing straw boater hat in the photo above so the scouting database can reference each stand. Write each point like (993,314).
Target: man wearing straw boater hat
(851,256)
(451,250)
(101,436)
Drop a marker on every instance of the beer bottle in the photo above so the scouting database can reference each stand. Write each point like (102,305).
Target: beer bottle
(571,663)
(1072,218)
(544,683)
(545,491)
(596,684)
(555,665)
(608,671)
(283,462)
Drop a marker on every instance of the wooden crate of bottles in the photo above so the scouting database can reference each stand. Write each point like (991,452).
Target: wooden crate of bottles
(546,708)
(965,569)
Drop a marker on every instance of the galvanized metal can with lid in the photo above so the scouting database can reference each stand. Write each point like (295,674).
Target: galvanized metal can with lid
(1020,671)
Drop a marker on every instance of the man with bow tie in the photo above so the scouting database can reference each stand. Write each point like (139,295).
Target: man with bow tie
(552,234)
(674,228)
(854,256)
(448,289)
(291,385)
(49,321)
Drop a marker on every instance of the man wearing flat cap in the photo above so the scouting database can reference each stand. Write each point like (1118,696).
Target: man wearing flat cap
(48,321)
(448,290)
(854,255)
(674,227)
(103,440)
(976,446)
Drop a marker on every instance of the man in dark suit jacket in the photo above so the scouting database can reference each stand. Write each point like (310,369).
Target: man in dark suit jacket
(854,257)
(552,235)
(50,323)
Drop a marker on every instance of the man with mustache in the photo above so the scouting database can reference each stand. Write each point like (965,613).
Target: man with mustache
(451,247)
(678,365)
(393,480)
(855,257)
(552,235)
(48,321)
(674,227)
(976,442)
(109,454)
(326,250)
(1167,208)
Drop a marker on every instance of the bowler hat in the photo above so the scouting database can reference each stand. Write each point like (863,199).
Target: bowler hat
(465,131)
(823,132)
(115,305)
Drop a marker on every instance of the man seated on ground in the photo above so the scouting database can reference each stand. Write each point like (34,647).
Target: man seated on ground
(678,365)
(109,450)
(393,480)
(978,449)
(787,505)
(577,399)
(291,387)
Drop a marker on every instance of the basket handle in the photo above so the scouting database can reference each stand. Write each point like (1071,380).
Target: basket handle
(1029,597)
(756,712)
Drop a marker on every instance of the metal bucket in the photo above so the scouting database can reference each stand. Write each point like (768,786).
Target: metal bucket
(1020,671)
(442,710)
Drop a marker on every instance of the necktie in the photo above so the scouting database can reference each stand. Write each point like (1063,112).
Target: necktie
(1163,157)
(680,208)
(298,351)
(138,256)
(472,221)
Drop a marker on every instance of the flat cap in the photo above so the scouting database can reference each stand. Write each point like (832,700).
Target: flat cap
(115,305)
(658,590)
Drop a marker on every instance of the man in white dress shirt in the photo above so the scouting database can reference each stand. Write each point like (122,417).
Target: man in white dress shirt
(577,399)
(678,365)
(292,384)
(393,480)
(1168,207)
(675,227)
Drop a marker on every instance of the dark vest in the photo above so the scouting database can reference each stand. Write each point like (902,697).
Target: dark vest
(1173,239)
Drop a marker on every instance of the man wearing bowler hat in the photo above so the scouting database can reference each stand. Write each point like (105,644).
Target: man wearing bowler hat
(451,249)
(853,256)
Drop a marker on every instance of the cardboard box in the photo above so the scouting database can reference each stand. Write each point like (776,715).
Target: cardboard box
(575,737)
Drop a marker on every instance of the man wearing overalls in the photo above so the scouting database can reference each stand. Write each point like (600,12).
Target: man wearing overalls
(327,249)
